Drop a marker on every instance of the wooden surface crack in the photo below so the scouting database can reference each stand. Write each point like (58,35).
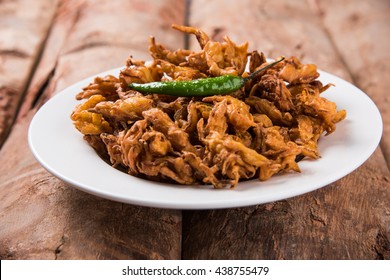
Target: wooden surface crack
(316,7)
(14,52)
(40,95)
(58,249)
(382,246)
(37,60)
(23,93)
(316,218)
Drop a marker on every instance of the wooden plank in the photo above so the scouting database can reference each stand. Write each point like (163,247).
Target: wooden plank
(367,25)
(110,39)
(43,217)
(277,28)
(66,17)
(348,219)
(23,28)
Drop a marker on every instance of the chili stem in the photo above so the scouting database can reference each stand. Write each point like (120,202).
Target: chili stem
(264,68)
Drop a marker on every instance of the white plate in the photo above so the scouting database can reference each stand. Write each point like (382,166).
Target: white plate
(59,147)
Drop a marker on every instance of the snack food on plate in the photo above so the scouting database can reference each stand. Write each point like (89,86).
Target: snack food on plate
(201,118)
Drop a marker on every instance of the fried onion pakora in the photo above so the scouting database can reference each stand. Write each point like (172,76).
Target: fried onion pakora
(262,129)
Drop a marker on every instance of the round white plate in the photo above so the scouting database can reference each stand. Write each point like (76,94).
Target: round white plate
(59,147)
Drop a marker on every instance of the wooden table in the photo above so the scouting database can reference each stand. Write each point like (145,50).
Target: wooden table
(46,45)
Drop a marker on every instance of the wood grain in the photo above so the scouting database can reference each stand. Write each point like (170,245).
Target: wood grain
(43,217)
(276,28)
(23,29)
(348,219)
(361,30)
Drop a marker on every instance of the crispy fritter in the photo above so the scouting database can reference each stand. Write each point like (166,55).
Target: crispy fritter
(256,132)
(87,122)
(105,86)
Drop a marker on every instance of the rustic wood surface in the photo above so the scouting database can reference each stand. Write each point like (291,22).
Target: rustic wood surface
(49,45)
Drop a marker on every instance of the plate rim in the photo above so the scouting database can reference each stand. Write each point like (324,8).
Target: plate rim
(197,205)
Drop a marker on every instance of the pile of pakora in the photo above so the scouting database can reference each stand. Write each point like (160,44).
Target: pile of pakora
(264,128)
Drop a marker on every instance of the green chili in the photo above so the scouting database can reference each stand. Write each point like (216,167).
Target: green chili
(200,87)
